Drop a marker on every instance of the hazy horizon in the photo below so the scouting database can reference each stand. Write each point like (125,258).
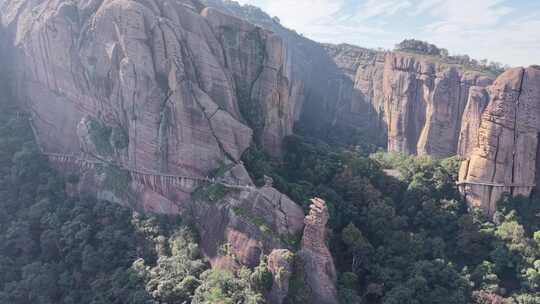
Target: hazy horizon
(498,30)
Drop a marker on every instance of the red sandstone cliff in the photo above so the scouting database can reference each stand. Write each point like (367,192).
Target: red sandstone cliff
(418,102)
(145,99)
(504,158)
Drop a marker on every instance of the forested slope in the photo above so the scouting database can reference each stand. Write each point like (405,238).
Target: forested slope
(412,239)
(76,249)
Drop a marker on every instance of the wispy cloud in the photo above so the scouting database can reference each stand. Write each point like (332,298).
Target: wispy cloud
(486,28)
(425,6)
(381,8)
(502,30)
(301,14)
(466,12)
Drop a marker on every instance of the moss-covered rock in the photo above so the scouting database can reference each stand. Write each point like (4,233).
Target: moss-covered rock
(211,193)
(100,135)
(119,138)
(117,182)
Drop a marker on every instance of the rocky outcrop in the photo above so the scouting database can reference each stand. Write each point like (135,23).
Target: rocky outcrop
(152,103)
(360,84)
(249,222)
(167,55)
(318,265)
(350,58)
(504,158)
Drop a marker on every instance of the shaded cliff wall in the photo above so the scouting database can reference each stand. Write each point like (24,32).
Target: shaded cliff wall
(355,111)
(416,104)
(6,71)
(319,87)
(504,157)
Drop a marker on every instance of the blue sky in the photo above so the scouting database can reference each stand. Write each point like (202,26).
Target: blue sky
(507,31)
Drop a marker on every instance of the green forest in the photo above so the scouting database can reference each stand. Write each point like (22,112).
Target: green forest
(59,249)
(410,240)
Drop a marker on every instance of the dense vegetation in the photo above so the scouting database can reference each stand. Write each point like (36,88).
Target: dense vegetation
(410,240)
(60,249)
(407,240)
(426,48)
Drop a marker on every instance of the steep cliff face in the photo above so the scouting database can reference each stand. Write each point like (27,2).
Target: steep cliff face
(418,104)
(320,272)
(6,71)
(471,119)
(416,101)
(361,82)
(148,68)
(146,99)
(504,158)
(318,86)
(3,64)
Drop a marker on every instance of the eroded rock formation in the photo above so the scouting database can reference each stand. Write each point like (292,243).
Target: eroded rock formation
(152,102)
(504,158)
(177,80)
(470,123)
(249,222)
(319,269)
(317,84)
(418,102)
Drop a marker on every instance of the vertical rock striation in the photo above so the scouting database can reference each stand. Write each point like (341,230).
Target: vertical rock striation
(318,86)
(504,158)
(470,123)
(167,87)
(418,102)
(144,99)
(319,269)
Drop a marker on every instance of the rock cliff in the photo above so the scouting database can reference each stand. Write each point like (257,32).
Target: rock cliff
(147,68)
(248,222)
(504,158)
(152,104)
(318,265)
(317,84)
(417,101)
(419,104)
